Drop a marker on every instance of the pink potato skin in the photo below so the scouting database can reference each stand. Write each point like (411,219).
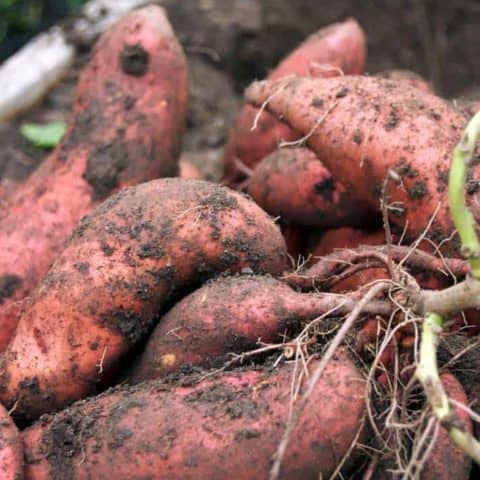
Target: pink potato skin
(411,78)
(227,315)
(341,46)
(292,183)
(125,128)
(446,460)
(228,427)
(123,266)
(11,448)
(364,135)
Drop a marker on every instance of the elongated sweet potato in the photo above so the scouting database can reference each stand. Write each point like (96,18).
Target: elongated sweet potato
(228,315)
(229,427)
(338,46)
(447,461)
(135,253)
(125,128)
(11,448)
(292,183)
(371,126)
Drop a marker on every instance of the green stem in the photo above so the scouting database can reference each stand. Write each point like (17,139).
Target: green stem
(427,374)
(461,215)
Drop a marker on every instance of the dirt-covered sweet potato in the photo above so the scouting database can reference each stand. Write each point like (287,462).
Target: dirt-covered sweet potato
(412,78)
(228,315)
(370,126)
(139,250)
(340,47)
(292,183)
(11,448)
(338,238)
(228,427)
(125,128)
(447,461)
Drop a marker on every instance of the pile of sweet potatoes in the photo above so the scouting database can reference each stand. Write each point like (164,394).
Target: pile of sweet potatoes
(121,268)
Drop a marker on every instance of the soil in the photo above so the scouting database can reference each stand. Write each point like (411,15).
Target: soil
(231,42)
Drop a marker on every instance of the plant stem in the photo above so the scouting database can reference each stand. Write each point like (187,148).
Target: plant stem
(427,374)
(461,215)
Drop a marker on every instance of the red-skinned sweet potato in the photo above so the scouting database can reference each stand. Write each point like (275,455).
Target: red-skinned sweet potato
(338,238)
(228,315)
(125,128)
(409,77)
(350,238)
(371,126)
(228,427)
(292,183)
(338,46)
(11,448)
(126,261)
(447,461)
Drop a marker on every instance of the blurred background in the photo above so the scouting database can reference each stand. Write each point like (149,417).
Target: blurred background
(22,19)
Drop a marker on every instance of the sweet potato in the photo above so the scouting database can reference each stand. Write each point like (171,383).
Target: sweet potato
(370,126)
(135,253)
(125,128)
(228,427)
(338,238)
(228,315)
(292,183)
(447,461)
(11,448)
(412,78)
(346,237)
(338,46)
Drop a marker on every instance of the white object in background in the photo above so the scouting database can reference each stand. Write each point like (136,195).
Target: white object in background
(30,73)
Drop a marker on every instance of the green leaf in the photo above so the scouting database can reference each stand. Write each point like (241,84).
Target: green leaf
(46,135)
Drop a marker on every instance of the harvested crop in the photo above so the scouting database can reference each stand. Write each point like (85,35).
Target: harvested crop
(229,315)
(338,48)
(125,128)
(364,127)
(446,461)
(412,78)
(292,183)
(228,427)
(123,266)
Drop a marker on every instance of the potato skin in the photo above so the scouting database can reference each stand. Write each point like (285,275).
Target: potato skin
(228,427)
(337,238)
(364,135)
(411,78)
(292,183)
(137,252)
(126,127)
(11,448)
(447,461)
(338,46)
(229,314)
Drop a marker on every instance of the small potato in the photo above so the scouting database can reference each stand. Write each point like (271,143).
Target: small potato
(126,127)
